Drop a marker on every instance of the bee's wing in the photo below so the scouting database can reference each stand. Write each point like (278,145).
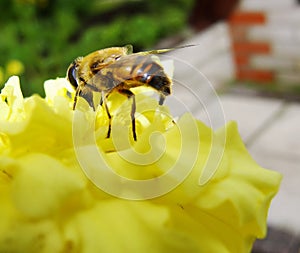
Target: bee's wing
(162,51)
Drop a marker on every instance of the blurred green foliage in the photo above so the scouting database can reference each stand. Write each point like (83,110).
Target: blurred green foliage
(46,35)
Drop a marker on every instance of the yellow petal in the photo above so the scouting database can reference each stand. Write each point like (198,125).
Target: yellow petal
(229,211)
(60,96)
(42,185)
(5,145)
(12,106)
(43,130)
(124,226)
(34,237)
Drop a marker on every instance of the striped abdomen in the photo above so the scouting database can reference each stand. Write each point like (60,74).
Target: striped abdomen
(138,70)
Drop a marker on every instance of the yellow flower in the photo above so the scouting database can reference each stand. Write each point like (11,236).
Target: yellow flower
(14,67)
(180,188)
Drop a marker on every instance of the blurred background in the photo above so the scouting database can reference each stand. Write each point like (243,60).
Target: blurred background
(39,38)
(248,50)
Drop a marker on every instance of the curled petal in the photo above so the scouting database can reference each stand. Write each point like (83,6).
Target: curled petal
(11,103)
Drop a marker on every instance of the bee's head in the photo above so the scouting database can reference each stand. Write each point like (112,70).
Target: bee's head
(72,74)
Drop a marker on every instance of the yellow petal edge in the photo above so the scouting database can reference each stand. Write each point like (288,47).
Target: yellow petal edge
(47,204)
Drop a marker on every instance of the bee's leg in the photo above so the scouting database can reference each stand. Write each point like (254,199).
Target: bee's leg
(129,95)
(86,94)
(161,99)
(77,93)
(103,100)
(133,109)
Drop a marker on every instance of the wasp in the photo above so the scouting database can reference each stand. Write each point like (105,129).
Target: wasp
(118,69)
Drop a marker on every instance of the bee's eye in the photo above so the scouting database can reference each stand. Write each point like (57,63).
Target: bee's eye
(72,76)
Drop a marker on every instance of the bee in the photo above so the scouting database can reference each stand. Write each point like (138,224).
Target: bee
(117,69)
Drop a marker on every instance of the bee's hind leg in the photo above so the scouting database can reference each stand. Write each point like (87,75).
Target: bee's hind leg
(103,101)
(129,95)
(161,99)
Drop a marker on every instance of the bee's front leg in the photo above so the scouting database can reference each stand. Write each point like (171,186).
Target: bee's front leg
(78,91)
(86,93)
